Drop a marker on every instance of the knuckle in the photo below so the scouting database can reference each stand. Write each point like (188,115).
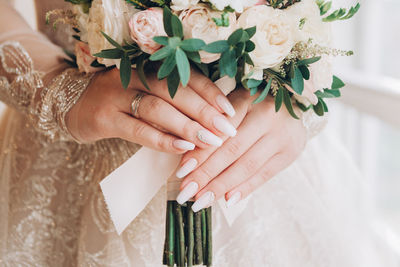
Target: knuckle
(203,176)
(189,129)
(218,187)
(250,165)
(162,142)
(139,130)
(205,111)
(233,147)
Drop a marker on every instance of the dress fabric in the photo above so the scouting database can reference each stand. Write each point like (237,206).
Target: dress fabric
(52,212)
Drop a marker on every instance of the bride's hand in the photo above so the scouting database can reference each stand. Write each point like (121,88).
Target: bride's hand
(193,117)
(266,143)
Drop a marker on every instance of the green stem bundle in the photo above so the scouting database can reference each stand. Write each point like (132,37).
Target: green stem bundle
(188,237)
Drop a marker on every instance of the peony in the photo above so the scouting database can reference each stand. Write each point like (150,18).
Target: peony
(83,58)
(178,5)
(313,28)
(198,23)
(144,26)
(274,38)
(322,73)
(111,17)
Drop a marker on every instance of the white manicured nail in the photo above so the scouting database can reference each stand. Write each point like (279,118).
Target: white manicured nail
(234,199)
(186,168)
(183,145)
(204,201)
(187,193)
(224,126)
(225,105)
(208,137)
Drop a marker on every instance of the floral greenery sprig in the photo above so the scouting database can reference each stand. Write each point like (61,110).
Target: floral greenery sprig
(176,53)
(145,4)
(281,4)
(339,14)
(86,4)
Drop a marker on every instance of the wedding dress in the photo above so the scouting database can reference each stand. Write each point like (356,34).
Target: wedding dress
(52,212)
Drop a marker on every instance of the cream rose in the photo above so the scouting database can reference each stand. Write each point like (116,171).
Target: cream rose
(322,73)
(274,38)
(83,58)
(313,28)
(178,5)
(144,26)
(111,17)
(198,23)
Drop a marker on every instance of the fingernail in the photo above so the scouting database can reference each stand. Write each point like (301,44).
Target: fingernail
(204,201)
(235,198)
(186,168)
(187,193)
(183,145)
(225,105)
(224,126)
(208,137)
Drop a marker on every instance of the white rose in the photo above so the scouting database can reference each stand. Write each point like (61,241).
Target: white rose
(198,23)
(274,38)
(237,5)
(314,28)
(111,17)
(178,5)
(82,20)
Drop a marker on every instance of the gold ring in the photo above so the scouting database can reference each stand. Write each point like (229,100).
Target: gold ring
(135,104)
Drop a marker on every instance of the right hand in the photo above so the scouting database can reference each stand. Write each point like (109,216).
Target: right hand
(165,124)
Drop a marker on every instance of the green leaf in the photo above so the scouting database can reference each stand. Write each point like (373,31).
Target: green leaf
(251,31)
(162,40)
(250,46)
(325,8)
(162,53)
(228,63)
(223,21)
(324,105)
(203,67)
(174,42)
(183,66)
(253,91)
(298,82)
(305,72)
(192,45)
(167,67)
(264,93)
(245,37)
(308,61)
(140,70)
(327,93)
(248,59)
(125,70)
(302,106)
(239,49)
(333,92)
(288,103)
(194,56)
(279,99)
(251,83)
(167,15)
(235,37)
(337,83)
(177,28)
(173,81)
(217,47)
(319,108)
(111,41)
(110,53)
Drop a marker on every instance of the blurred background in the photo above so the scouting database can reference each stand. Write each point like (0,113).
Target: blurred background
(367,118)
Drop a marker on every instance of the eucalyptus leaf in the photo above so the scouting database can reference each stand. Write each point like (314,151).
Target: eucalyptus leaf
(112,41)
(167,67)
(251,83)
(192,45)
(167,14)
(298,82)
(125,71)
(110,53)
(333,92)
(337,83)
(264,93)
(177,28)
(319,108)
(228,63)
(235,37)
(140,70)
(173,81)
(305,72)
(250,46)
(162,40)
(308,61)
(279,99)
(162,53)
(217,47)
(253,91)
(288,103)
(203,68)
(183,66)
(194,56)
(251,31)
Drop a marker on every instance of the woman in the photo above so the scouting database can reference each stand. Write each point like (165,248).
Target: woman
(66,131)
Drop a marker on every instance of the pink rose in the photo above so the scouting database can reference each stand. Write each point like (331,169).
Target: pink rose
(83,58)
(144,26)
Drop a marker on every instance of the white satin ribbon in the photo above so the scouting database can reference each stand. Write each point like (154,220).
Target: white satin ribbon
(128,189)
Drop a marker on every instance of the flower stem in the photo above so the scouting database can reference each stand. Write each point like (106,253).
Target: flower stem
(198,255)
(181,236)
(209,236)
(170,234)
(204,235)
(190,234)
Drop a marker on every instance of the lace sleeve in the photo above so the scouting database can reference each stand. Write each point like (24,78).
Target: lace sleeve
(24,89)
(313,123)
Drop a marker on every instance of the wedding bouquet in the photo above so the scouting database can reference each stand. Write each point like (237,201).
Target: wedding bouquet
(277,48)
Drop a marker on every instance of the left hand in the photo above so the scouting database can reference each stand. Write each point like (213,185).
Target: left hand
(266,143)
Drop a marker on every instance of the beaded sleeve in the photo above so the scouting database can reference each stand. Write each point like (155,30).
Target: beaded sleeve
(313,123)
(22,88)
